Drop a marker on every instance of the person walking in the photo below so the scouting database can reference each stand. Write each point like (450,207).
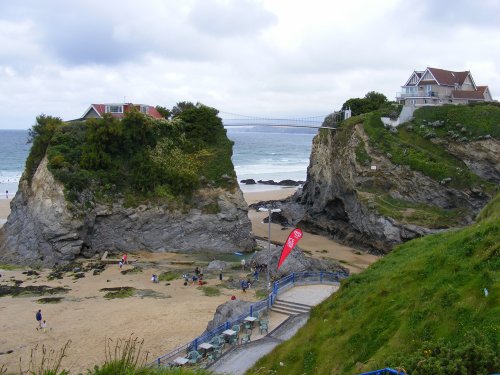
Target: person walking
(120,264)
(38,317)
(43,326)
(125,259)
(220,275)
(243,264)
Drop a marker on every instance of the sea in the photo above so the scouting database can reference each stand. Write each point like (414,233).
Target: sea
(259,153)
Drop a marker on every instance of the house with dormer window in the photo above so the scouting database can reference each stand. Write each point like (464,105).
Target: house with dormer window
(118,110)
(439,86)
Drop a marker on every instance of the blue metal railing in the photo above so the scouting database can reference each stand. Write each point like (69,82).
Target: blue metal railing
(385,371)
(281,285)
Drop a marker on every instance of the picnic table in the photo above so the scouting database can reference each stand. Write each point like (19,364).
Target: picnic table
(181,361)
(250,319)
(205,347)
(229,332)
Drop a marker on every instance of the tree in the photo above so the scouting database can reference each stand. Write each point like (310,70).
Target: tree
(374,100)
(165,112)
(181,107)
(371,102)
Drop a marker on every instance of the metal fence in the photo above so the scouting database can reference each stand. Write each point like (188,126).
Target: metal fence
(285,283)
(385,371)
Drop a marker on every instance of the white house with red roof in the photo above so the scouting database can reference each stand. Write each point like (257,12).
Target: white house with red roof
(438,86)
(118,110)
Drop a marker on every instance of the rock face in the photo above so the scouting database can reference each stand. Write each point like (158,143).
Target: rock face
(44,228)
(296,261)
(335,198)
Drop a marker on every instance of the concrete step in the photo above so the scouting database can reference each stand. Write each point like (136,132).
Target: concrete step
(290,308)
(293,304)
(285,312)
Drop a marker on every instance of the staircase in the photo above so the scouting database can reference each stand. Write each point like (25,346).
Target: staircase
(290,308)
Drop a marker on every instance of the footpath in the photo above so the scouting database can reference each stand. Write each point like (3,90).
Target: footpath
(238,360)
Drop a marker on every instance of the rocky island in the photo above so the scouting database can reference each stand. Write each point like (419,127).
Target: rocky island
(125,185)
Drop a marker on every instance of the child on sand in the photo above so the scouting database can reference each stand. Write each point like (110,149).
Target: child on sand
(43,326)
(120,264)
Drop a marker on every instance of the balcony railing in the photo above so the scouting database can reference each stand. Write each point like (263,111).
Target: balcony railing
(417,94)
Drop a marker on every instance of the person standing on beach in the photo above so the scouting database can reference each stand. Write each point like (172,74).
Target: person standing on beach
(220,275)
(243,264)
(43,326)
(125,259)
(38,317)
(120,264)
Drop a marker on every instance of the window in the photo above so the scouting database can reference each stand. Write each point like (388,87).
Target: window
(114,109)
(145,109)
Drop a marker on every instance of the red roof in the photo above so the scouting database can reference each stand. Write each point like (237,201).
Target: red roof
(482,88)
(447,77)
(101,109)
(467,94)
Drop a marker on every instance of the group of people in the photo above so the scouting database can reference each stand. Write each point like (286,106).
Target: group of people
(197,278)
(123,261)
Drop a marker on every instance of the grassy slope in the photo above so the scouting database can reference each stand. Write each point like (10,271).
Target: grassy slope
(419,308)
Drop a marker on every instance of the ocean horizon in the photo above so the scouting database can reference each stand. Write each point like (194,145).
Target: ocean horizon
(259,154)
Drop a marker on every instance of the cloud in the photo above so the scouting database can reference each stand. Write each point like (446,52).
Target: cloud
(230,18)
(256,57)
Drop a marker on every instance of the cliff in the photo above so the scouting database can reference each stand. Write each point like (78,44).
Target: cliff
(53,219)
(376,187)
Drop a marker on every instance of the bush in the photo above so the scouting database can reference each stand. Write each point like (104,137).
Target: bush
(162,160)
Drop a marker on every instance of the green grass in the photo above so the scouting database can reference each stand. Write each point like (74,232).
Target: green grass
(420,154)
(422,307)
(209,291)
(463,121)
(413,213)
(169,276)
(362,156)
(118,292)
(261,294)
(10,267)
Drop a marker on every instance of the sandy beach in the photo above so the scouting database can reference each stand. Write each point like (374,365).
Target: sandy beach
(4,210)
(314,245)
(165,316)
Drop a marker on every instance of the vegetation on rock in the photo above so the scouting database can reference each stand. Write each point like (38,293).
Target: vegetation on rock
(420,154)
(462,123)
(138,157)
(430,307)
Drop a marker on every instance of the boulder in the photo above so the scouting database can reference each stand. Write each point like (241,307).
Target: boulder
(228,311)
(296,261)
(248,181)
(217,265)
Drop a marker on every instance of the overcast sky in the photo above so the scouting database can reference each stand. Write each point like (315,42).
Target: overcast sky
(272,58)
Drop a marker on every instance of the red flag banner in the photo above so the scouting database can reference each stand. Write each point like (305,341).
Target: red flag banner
(290,243)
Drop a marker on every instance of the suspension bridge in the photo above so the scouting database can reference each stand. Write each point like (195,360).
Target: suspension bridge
(312,122)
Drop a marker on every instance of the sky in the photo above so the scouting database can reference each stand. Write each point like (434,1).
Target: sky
(265,58)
